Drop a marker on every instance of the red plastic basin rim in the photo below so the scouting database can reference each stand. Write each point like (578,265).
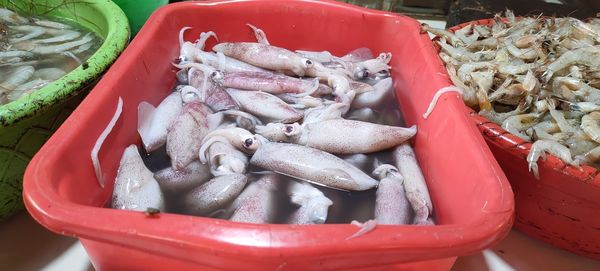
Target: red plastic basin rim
(171,230)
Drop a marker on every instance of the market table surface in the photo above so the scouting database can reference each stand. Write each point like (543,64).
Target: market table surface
(28,246)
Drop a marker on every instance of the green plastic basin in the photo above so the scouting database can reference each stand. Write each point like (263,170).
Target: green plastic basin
(25,124)
(138,11)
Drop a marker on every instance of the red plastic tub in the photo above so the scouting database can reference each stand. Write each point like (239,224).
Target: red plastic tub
(472,199)
(561,208)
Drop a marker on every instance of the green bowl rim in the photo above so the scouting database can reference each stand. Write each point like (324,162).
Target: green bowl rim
(73,82)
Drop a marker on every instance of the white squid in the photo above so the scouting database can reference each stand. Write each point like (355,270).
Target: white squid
(256,203)
(135,186)
(339,136)
(214,194)
(313,204)
(173,181)
(311,165)
(153,122)
(186,134)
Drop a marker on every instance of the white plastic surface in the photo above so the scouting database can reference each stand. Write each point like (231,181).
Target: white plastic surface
(28,246)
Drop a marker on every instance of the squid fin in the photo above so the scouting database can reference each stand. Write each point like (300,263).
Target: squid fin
(339,176)
(145,115)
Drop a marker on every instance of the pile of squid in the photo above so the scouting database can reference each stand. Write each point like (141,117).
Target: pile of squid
(36,51)
(249,123)
(538,78)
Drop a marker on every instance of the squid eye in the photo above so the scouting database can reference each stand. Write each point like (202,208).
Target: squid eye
(382,74)
(251,144)
(362,74)
(289,129)
(308,63)
(217,75)
(178,60)
(248,142)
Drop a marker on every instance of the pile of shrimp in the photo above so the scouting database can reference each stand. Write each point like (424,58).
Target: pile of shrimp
(250,123)
(537,77)
(36,51)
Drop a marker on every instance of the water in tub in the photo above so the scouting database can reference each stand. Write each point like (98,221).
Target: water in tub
(34,51)
(312,139)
